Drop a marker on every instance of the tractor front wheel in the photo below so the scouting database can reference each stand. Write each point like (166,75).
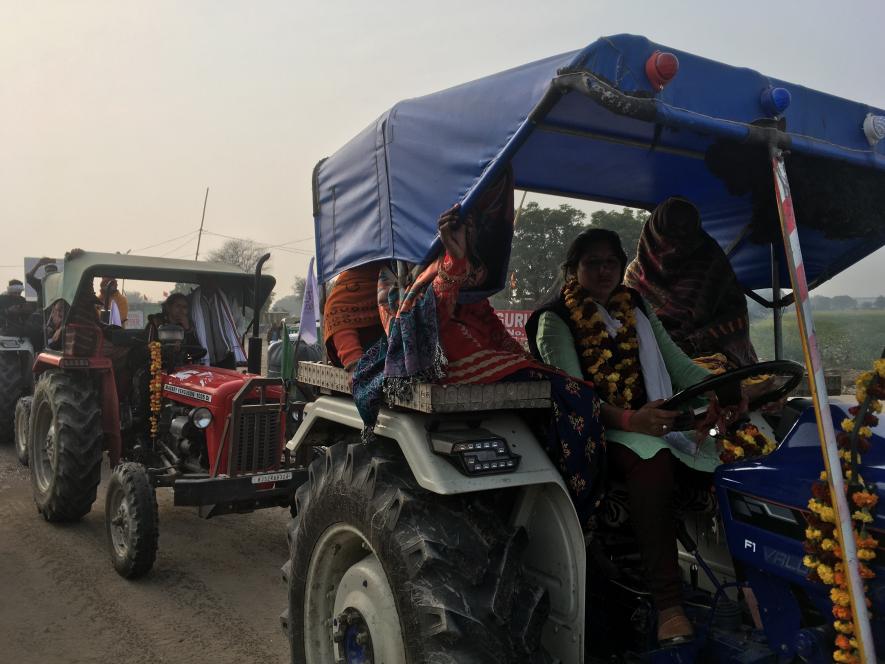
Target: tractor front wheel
(11,388)
(132,521)
(22,421)
(382,570)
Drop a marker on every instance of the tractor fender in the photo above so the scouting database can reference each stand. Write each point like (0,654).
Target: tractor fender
(556,553)
(412,432)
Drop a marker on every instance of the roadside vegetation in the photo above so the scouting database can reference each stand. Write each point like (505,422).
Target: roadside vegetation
(848,340)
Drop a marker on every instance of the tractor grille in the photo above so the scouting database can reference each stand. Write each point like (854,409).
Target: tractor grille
(257,442)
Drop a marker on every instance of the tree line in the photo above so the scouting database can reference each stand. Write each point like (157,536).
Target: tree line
(540,241)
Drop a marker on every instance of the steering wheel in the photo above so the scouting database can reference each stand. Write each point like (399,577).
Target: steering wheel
(727,387)
(194,352)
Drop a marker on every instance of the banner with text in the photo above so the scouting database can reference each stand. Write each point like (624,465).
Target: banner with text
(514,320)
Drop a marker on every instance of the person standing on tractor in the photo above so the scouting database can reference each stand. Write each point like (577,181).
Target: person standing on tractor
(15,288)
(602,331)
(49,267)
(113,302)
(17,314)
(12,307)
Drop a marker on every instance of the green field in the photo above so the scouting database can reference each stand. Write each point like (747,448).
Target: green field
(849,340)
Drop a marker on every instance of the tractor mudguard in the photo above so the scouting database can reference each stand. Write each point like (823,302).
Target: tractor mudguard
(556,554)
(436,473)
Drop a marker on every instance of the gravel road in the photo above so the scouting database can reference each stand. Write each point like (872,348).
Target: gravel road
(214,594)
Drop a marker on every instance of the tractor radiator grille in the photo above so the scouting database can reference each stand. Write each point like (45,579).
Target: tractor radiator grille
(258,439)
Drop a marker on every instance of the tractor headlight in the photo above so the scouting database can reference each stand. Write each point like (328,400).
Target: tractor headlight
(201,417)
(170,333)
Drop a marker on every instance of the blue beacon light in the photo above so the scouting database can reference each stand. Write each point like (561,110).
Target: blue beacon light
(775,101)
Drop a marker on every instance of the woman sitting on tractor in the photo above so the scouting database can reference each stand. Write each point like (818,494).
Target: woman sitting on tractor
(599,330)
(434,334)
(688,280)
(176,311)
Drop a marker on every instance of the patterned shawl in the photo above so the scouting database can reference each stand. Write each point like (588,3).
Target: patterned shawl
(410,353)
(688,280)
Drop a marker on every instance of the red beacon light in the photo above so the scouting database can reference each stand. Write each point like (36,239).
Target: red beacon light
(661,68)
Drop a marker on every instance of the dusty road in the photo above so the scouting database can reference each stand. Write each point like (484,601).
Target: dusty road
(213,596)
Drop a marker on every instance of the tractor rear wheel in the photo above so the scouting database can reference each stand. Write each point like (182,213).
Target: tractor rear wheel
(131,520)
(383,570)
(22,422)
(65,445)
(12,386)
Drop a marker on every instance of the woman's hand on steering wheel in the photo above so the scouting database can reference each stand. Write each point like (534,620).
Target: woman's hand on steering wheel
(653,420)
(718,417)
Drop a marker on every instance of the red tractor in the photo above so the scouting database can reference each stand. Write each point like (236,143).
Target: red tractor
(166,411)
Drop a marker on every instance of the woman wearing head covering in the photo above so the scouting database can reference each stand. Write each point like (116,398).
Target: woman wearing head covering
(687,278)
(602,331)
(434,332)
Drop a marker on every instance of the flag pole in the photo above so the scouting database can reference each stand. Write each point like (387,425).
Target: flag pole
(202,219)
(823,416)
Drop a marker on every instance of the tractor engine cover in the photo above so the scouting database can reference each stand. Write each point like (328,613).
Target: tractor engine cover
(246,434)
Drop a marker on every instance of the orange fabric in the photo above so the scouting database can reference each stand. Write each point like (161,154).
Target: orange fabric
(353,302)
(347,346)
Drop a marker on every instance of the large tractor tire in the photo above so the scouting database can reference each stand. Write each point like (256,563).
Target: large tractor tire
(131,520)
(22,424)
(382,570)
(12,386)
(65,445)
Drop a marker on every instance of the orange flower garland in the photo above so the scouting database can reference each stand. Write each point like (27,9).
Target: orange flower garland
(823,552)
(612,363)
(746,442)
(156,384)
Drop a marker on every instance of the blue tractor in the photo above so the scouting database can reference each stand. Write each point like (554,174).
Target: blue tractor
(386,564)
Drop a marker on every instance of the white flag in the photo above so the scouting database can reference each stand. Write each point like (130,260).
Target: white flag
(310,308)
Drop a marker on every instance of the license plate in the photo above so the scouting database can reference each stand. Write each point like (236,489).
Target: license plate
(272,477)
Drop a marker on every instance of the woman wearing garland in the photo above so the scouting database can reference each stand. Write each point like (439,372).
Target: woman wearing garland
(601,331)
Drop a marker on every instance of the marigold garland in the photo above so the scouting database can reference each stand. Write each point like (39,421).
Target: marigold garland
(823,552)
(611,362)
(156,385)
(746,442)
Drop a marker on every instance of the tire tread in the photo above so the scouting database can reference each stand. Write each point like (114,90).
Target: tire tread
(454,566)
(75,407)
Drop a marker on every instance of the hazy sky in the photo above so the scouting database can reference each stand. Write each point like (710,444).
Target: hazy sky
(116,116)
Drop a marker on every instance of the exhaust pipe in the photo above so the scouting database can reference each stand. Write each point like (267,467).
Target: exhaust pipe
(254,357)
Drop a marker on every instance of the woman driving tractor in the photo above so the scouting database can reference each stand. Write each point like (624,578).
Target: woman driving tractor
(602,331)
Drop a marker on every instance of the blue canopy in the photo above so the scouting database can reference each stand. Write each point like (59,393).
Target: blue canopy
(588,124)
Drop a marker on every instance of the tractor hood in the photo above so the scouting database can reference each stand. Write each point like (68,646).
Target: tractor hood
(785,476)
(200,385)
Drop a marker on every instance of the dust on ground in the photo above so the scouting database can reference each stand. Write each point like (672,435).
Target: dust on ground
(214,594)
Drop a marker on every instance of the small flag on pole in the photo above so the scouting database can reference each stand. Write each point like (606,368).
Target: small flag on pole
(310,308)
